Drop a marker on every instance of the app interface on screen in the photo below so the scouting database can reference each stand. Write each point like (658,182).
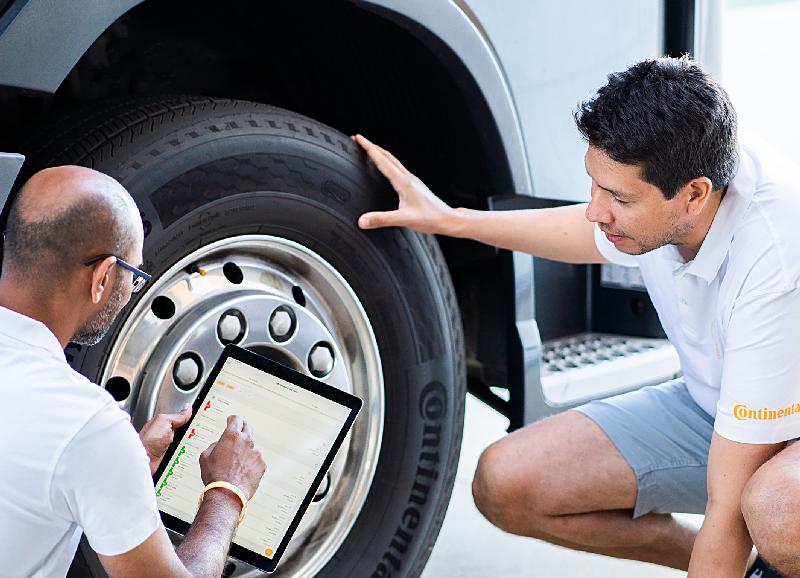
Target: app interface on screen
(293,429)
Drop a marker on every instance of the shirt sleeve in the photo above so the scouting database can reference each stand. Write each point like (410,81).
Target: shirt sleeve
(103,481)
(610,252)
(760,384)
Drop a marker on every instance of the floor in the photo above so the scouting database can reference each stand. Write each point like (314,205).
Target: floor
(470,547)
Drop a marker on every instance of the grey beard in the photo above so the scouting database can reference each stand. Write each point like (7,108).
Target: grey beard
(93,331)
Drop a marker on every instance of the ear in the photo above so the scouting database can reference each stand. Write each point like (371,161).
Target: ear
(100,278)
(697,193)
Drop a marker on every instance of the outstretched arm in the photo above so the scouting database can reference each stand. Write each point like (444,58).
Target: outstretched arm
(560,234)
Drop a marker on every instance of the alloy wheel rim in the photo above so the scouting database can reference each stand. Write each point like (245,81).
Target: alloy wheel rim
(280,299)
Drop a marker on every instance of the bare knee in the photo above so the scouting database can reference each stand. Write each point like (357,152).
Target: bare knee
(493,495)
(510,487)
(563,464)
(771,509)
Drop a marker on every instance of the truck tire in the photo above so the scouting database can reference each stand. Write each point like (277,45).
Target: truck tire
(246,201)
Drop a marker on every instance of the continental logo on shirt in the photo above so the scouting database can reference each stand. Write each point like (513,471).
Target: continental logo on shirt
(742,412)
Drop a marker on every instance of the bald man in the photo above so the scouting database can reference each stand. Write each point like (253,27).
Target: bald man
(70,460)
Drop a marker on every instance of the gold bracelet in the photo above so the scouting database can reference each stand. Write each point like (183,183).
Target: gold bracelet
(231,488)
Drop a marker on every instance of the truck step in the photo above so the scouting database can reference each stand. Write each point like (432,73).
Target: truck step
(590,365)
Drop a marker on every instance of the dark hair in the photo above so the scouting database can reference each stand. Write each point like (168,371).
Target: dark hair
(669,117)
(53,244)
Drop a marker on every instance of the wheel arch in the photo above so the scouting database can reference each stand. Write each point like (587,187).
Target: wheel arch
(418,76)
(448,28)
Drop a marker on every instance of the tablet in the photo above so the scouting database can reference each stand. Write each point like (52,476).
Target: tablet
(299,423)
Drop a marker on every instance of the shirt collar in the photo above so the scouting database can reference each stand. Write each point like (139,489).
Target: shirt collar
(730,212)
(29,331)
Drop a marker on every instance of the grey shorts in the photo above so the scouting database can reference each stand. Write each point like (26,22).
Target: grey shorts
(664,436)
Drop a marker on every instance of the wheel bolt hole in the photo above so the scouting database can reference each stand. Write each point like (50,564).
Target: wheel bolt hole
(233,273)
(163,307)
(282,323)
(119,388)
(299,296)
(231,327)
(187,371)
(324,488)
(320,359)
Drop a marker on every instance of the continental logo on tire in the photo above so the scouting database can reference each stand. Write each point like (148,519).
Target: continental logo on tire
(744,413)
(433,402)
(432,409)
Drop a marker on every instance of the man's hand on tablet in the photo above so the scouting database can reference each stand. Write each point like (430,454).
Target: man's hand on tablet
(234,458)
(157,434)
(203,552)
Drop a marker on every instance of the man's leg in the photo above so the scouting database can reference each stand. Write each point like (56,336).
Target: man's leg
(562,480)
(771,508)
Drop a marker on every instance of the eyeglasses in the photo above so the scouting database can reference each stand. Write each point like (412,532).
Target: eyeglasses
(139,276)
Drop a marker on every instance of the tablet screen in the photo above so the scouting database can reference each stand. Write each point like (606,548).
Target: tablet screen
(293,428)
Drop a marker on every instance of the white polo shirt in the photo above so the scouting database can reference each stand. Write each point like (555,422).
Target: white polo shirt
(70,460)
(733,312)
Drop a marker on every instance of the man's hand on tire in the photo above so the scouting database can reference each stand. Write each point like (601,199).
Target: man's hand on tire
(234,458)
(419,209)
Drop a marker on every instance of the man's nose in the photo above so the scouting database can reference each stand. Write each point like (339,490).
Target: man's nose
(597,211)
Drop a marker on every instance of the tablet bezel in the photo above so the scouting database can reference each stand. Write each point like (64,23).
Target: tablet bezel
(320,388)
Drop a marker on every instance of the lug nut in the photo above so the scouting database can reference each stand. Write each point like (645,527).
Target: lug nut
(281,323)
(320,360)
(230,328)
(324,486)
(186,371)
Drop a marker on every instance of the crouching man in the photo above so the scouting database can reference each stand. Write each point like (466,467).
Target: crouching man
(716,237)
